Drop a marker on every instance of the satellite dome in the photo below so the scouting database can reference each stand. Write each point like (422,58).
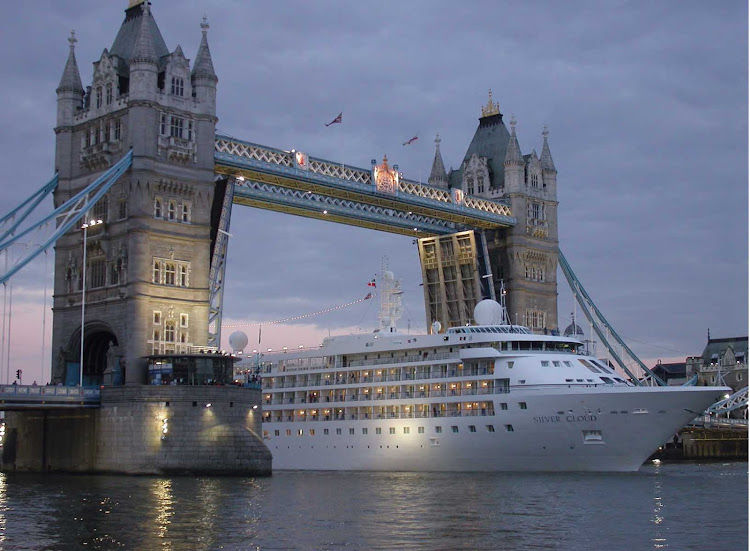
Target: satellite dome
(573,330)
(488,312)
(238,341)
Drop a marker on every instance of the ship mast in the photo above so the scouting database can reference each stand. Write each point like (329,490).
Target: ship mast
(390,300)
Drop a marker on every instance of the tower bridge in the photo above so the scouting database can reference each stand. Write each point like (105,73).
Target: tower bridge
(138,151)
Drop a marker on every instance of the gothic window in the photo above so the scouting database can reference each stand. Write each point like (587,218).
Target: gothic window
(157,317)
(157,208)
(186,212)
(94,136)
(469,185)
(534,180)
(183,276)
(169,273)
(183,338)
(183,320)
(109,93)
(157,335)
(190,131)
(122,208)
(178,86)
(535,211)
(480,184)
(169,327)
(157,272)
(87,139)
(98,273)
(536,319)
(163,125)
(176,126)
(171,210)
(114,273)
(118,129)
(100,209)
(98,97)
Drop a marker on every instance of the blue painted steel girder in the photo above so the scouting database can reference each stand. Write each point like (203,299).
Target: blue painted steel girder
(275,168)
(344,211)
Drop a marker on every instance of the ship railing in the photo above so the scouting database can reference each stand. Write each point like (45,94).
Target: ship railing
(400,360)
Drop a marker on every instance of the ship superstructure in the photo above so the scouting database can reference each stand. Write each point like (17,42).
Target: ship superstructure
(492,397)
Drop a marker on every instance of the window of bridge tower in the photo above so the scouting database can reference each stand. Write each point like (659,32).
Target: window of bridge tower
(186,212)
(169,273)
(98,97)
(157,208)
(98,273)
(178,86)
(171,210)
(163,125)
(157,272)
(109,93)
(169,331)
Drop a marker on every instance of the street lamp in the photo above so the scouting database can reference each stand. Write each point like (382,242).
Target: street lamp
(85,228)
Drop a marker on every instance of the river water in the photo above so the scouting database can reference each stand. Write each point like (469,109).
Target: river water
(679,506)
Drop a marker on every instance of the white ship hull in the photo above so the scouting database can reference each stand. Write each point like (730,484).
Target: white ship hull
(625,425)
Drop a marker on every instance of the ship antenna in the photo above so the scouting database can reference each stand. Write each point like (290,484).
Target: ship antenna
(504,310)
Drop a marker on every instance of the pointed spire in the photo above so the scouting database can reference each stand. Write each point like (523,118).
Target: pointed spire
(437,175)
(71,77)
(513,153)
(145,49)
(546,159)
(204,66)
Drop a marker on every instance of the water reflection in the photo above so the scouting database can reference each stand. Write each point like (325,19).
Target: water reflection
(659,540)
(369,511)
(161,490)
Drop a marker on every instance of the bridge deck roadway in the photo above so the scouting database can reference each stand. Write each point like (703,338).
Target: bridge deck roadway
(25,397)
(346,194)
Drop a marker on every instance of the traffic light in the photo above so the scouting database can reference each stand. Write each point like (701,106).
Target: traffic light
(18,374)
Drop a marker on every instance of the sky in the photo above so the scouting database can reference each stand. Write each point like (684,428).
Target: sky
(646,105)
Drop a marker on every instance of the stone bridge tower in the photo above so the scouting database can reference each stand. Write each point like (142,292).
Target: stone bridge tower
(525,256)
(147,264)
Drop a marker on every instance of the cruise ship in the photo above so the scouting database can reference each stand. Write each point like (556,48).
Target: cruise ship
(490,397)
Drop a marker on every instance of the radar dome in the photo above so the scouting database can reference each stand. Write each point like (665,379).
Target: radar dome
(488,312)
(436,327)
(237,341)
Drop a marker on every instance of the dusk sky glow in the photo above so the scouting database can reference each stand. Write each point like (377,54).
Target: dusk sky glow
(646,105)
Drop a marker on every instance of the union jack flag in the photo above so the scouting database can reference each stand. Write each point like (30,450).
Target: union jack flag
(336,120)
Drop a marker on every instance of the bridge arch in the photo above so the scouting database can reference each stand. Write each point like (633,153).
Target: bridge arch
(97,357)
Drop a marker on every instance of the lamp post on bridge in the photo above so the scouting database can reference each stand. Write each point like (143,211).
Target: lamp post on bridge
(85,228)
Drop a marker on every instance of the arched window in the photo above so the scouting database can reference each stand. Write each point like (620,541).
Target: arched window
(185,212)
(157,272)
(171,211)
(178,86)
(109,93)
(169,273)
(169,331)
(157,208)
(183,276)
(98,97)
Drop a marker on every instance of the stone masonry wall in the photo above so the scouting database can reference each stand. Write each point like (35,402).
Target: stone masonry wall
(224,438)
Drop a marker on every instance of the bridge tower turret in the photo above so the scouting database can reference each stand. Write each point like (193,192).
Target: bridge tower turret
(523,257)
(147,264)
